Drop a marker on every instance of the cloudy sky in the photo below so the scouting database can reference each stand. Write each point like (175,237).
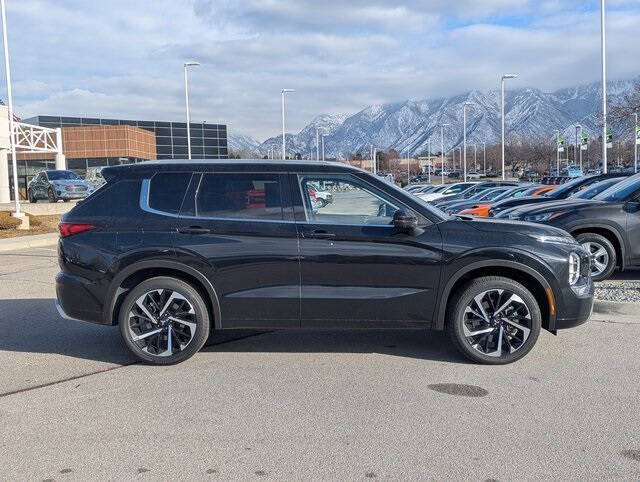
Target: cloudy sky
(123,58)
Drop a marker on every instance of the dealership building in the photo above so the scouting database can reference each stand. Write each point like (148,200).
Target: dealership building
(92,143)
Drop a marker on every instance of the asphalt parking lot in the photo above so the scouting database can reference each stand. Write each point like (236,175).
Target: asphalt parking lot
(306,405)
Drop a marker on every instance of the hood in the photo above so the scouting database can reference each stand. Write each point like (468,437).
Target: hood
(70,182)
(561,205)
(518,227)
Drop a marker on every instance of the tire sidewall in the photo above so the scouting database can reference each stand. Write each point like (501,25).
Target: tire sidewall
(606,244)
(472,289)
(197,302)
(51,196)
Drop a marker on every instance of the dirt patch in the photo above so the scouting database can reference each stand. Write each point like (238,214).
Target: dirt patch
(38,225)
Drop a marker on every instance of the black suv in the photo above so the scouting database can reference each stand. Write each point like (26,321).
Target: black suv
(608,225)
(173,250)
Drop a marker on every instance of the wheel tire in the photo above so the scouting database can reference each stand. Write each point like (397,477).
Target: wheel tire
(465,297)
(51,196)
(31,197)
(200,317)
(589,241)
(323,203)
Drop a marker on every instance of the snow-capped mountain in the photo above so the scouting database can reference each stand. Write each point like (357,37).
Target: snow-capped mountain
(241,144)
(529,114)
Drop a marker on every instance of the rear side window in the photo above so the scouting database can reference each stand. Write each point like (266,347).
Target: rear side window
(238,196)
(166,191)
(120,198)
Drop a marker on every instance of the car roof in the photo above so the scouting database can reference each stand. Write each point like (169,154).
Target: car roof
(239,164)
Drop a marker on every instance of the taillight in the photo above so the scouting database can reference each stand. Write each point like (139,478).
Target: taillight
(312,192)
(69,229)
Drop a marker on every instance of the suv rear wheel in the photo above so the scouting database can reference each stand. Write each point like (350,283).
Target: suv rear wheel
(603,255)
(494,320)
(164,320)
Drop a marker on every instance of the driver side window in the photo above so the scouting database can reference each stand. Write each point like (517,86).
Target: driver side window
(345,200)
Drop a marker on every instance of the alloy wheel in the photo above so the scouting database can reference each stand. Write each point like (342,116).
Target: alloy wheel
(162,322)
(599,257)
(497,322)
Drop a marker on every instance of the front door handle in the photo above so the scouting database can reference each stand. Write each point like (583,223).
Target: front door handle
(194,230)
(320,234)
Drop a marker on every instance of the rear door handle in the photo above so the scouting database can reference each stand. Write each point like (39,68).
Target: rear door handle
(194,230)
(320,234)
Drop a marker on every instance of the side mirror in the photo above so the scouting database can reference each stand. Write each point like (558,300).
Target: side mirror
(632,207)
(405,222)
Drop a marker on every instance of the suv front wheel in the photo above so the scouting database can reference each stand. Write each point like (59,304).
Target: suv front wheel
(494,320)
(164,321)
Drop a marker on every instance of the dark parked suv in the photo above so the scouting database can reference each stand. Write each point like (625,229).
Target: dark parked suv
(173,250)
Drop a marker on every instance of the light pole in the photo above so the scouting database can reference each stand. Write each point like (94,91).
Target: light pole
(408,174)
(323,136)
(284,142)
(484,151)
(603,52)
(557,152)
(504,77)
(317,145)
(578,136)
(635,144)
(12,134)
(464,136)
(187,64)
(429,154)
(475,157)
(442,150)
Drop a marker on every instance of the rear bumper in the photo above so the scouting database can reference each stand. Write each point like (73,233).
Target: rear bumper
(76,299)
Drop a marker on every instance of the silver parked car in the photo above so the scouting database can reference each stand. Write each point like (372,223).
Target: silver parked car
(56,185)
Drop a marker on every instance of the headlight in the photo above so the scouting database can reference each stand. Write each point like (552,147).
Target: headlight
(537,218)
(574,268)
(543,238)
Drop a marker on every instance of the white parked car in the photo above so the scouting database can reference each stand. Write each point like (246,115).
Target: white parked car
(451,190)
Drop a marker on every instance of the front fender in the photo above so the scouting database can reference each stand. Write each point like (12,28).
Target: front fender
(491,258)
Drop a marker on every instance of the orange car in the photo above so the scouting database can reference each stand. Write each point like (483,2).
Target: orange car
(482,210)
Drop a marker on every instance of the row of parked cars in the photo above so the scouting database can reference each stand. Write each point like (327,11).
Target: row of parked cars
(602,212)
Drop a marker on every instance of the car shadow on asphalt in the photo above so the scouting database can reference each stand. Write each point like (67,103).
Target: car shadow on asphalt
(413,343)
(34,326)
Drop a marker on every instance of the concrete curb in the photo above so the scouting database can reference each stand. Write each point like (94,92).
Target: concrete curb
(622,312)
(27,242)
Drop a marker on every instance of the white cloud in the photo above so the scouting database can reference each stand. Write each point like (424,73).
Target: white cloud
(124,59)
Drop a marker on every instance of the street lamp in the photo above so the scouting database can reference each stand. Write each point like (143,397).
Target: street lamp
(284,142)
(187,64)
(429,154)
(323,136)
(557,152)
(484,151)
(317,144)
(442,150)
(603,52)
(464,135)
(578,136)
(408,174)
(504,77)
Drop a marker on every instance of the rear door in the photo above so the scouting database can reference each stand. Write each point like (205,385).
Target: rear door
(355,267)
(241,225)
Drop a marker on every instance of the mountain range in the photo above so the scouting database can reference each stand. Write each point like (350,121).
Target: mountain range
(409,125)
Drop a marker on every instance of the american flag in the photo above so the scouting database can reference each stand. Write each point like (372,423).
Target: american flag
(15,117)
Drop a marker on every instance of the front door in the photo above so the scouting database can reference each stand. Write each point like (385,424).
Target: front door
(242,225)
(356,268)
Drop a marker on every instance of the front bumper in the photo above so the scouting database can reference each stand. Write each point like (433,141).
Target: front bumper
(71,195)
(576,306)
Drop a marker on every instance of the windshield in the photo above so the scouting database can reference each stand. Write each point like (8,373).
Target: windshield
(490,194)
(620,191)
(567,188)
(596,188)
(62,175)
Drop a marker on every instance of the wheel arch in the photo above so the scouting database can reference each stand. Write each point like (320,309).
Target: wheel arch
(133,274)
(529,277)
(608,232)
